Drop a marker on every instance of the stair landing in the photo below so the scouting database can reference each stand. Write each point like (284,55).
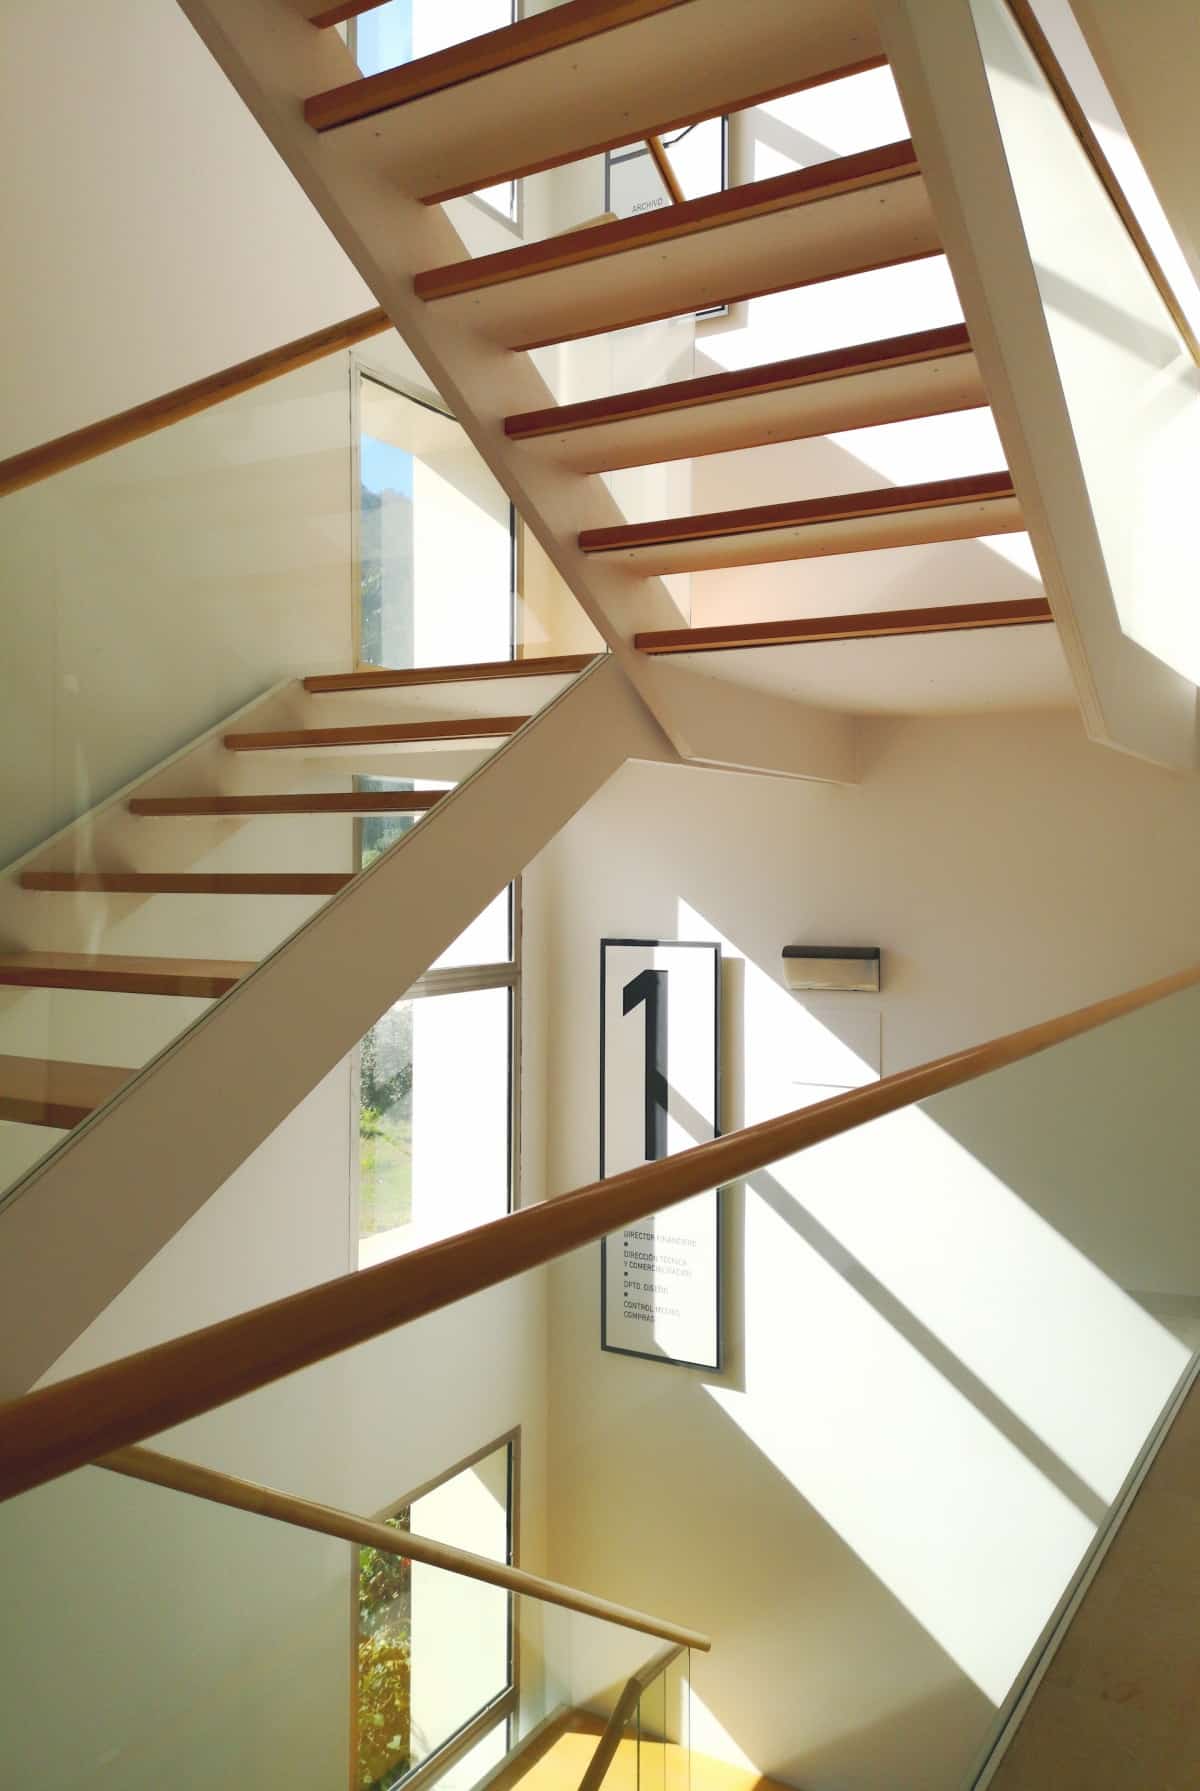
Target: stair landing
(562,1766)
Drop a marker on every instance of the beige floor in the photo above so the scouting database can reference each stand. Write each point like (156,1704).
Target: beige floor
(1119,1708)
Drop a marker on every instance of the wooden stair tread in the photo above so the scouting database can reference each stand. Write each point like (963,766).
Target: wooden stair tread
(571,23)
(756,518)
(856,522)
(385,678)
(275,883)
(946,618)
(597,242)
(838,217)
(319,802)
(922,374)
(205,977)
(388,733)
(37,1091)
(555,102)
(742,382)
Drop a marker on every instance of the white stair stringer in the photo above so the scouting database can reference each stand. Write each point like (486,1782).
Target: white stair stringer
(276,60)
(1095,424)
(85,1220)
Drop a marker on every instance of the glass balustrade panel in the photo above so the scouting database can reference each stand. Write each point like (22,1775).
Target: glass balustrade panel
(177,804)
(166,1637)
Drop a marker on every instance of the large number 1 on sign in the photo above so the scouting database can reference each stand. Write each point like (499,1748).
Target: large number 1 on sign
(650,987)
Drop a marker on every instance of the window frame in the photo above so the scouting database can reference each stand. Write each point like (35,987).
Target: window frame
(459,979)
(362,367)
(501,1709)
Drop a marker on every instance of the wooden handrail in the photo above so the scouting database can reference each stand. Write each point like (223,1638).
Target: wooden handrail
(306,1514)
(60,1427)
(1044,55)
(127,426)
(622,1712)
(34,464)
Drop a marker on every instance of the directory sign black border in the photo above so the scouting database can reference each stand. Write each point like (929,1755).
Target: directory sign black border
(653,1018)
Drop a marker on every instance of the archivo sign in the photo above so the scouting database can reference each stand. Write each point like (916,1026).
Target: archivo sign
(659,1093)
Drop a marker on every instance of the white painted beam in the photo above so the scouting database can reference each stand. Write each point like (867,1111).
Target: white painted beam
(731,728)
(1052,428)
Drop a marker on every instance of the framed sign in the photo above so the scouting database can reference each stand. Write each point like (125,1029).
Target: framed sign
(660,1280)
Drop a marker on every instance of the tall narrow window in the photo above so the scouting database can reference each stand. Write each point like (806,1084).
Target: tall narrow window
(436,1082)
(435,539)
(434,1651)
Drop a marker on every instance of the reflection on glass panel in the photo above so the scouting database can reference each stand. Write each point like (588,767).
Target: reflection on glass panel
(424,1174)
(434,1649)
(653,1747)
(489,937)
(403,30)
(435,539)
(378,832)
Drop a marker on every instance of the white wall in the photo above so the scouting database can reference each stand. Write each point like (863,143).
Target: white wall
(873,1507)
(157,235)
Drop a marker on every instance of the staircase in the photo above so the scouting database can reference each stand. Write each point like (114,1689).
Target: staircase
(166,955)
(439,727)
(185,887)
(386,159)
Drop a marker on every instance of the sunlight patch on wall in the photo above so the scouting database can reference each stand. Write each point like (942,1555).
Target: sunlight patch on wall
(712,1738)
(948,1514)
(947,1380)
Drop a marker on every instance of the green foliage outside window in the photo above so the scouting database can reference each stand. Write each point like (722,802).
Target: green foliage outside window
(385,1738)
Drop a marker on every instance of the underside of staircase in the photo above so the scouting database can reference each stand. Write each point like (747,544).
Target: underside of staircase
(387,159)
